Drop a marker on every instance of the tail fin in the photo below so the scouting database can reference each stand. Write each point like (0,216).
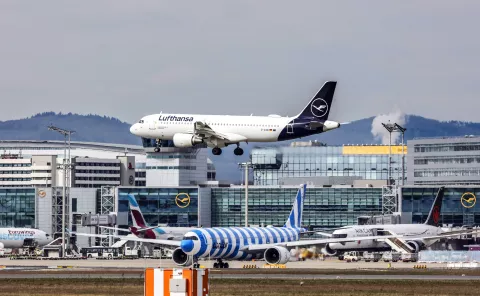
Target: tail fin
(295,217)
(137,216)
(434,215)
(320,105)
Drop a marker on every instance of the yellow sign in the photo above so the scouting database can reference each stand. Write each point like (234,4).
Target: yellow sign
(468,200)
(182,200)
(42,193)
(380,149)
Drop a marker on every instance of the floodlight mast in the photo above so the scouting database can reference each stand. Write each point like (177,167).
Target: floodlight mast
(66,167)
(395,128)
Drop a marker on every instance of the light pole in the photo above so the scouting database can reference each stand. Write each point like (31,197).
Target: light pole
(66,167)
(392,128)
(246,166)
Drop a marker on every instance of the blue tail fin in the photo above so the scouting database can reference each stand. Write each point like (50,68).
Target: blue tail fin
(295,217)
(321,103)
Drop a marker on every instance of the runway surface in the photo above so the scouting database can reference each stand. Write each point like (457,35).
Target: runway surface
(220,275)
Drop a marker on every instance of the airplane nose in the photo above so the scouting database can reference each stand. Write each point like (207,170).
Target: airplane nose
(186,245)
(133,128)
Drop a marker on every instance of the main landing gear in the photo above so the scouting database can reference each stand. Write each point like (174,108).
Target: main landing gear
(238,151)
(220,264)
(216,151)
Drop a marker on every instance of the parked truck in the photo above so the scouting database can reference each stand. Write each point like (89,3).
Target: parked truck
(372,256)
(410,257)
(352,256)
(391,257)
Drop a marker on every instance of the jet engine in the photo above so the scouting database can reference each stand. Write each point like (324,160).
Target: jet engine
(186,140)
(328,251)
(277,255)
(416,245)
(180,258)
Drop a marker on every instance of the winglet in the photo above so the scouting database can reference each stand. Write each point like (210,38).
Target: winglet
(295,217)
(434,215)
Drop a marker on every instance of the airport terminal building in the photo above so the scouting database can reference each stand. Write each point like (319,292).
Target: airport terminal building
(344,183)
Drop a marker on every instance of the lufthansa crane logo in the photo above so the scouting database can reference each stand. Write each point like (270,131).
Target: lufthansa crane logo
(42,193)
(182,200)
(468,200)
(319,107)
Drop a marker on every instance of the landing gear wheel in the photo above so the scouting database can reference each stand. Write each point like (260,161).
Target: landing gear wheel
(216,151)
(215,265)
(156,149)
(225,265)
(238,151)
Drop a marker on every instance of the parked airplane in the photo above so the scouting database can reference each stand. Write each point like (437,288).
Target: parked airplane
(12,238)
(410,243)
(273,244)
(141,229)
(218,131)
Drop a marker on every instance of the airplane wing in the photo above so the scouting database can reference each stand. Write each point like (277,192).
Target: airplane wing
(165,242)
(115,229)
(204,130)
(324,241)
(314,242)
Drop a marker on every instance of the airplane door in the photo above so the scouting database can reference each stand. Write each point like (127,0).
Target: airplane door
(152,125)
(290,127)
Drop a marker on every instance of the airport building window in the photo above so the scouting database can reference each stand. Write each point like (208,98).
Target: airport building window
(161,205)
(324,207)
(17,207)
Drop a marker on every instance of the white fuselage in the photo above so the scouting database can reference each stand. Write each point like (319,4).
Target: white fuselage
(251,128)
(369,230)
(15,237)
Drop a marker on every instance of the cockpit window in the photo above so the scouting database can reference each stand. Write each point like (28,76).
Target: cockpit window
(141,121)
(190,238)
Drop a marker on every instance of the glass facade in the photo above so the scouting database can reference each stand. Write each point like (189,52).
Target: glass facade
(17,207)
(447,161)
(170,206)
(270,165)
(324,207)
(455,211)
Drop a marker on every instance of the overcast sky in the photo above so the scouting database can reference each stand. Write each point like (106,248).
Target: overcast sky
(132,58)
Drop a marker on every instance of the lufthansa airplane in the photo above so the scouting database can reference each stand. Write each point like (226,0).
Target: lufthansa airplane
(218,131)
(273,244)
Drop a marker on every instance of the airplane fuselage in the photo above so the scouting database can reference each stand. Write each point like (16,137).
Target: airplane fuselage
(15,237)
(229,242)
(237,128)
(370,230)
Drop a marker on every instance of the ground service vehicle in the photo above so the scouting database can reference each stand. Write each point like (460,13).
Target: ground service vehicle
(372,256)
(410,257)
(352,256)
(99,252)
(391,257)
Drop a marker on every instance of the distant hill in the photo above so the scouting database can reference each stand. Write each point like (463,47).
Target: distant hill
(95,128)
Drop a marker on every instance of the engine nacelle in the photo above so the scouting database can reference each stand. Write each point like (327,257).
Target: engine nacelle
(186,140)
(180,258)
(276,255)
(328,251)
(417,246)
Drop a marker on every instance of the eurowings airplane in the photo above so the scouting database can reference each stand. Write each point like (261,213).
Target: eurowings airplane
(218,131)
(412,242)
(141,229)
(272,244)
(12,238)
